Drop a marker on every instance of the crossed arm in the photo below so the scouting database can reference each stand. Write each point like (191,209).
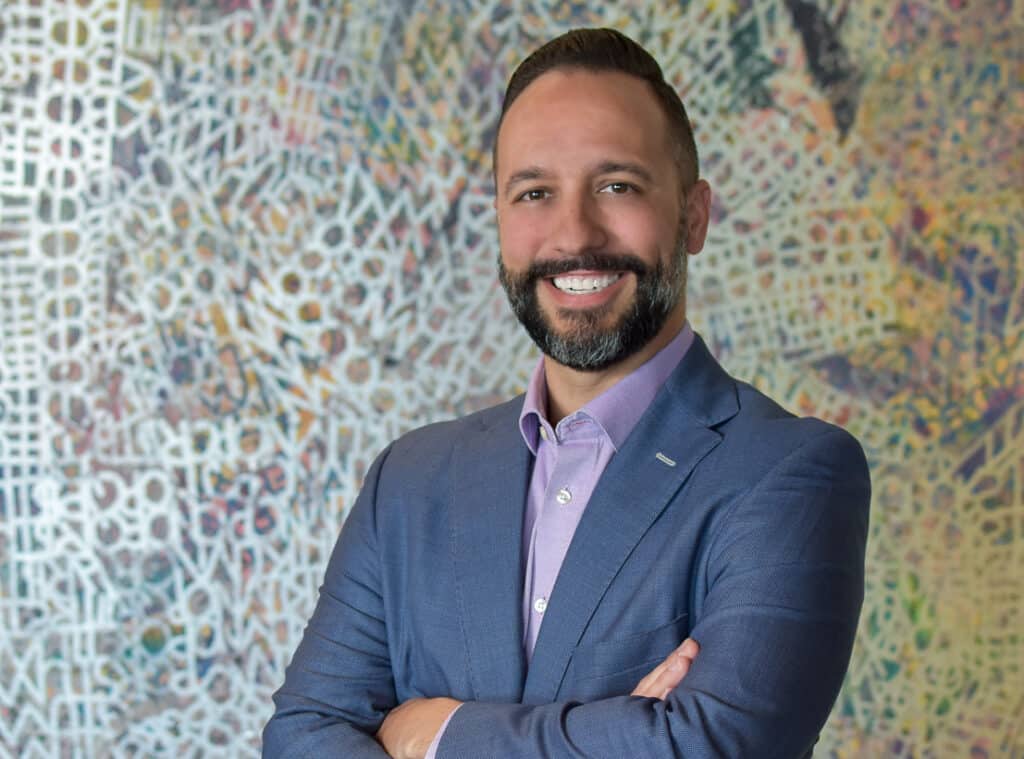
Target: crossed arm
(409,729)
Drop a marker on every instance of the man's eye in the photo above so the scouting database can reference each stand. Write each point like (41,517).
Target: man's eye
(534,195)
(617,188)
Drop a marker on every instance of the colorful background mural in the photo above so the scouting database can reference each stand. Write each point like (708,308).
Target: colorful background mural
(245,243)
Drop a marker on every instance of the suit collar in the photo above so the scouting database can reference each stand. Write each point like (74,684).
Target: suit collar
(671,438)
(702,388)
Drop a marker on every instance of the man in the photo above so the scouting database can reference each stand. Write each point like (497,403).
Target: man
(534,580)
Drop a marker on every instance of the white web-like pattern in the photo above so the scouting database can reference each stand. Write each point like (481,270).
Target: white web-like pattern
(245,245)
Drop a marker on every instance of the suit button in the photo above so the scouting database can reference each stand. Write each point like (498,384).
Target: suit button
(540,605)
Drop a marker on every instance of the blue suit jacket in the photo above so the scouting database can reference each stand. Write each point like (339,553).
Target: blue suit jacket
(752,542)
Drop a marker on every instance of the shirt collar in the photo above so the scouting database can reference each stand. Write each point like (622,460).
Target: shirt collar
(617,409)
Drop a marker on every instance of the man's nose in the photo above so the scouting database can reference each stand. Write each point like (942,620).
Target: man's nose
(580,226)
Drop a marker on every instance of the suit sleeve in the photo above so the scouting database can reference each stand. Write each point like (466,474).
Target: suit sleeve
(339,687)
(785,582)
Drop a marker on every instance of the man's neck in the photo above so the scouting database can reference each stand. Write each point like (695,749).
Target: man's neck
(571,389)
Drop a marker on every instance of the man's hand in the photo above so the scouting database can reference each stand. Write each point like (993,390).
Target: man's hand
(408,730)
(660,681)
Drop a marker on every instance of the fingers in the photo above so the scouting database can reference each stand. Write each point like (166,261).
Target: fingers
(660,681)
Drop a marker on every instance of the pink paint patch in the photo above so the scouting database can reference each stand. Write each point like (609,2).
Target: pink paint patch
(920,218)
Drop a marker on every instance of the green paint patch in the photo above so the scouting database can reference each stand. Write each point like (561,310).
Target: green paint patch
(153,640)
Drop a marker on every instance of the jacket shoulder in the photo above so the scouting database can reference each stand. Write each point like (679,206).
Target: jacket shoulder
(445,433)
(427,450)
(763,432)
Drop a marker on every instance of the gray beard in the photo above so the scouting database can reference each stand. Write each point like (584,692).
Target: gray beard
(585,345)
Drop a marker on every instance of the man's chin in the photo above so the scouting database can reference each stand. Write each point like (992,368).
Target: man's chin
(566,320)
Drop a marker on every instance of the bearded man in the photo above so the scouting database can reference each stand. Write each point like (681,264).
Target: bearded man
(642,556)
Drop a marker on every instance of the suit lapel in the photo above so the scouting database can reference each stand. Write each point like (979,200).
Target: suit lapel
(490,473)
(633,491)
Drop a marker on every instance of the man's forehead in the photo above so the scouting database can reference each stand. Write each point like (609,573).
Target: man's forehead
(580,100)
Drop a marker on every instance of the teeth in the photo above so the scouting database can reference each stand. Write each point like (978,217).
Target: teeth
(577,285)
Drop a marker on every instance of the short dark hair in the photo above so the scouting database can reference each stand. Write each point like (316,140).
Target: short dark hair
(607,50)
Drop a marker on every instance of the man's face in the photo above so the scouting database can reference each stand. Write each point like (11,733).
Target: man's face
(591,217)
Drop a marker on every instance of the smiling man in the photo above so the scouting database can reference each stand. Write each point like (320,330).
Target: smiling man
(642,556)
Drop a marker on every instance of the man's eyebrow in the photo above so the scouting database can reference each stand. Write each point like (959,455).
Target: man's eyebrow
(529,174)
(625,167)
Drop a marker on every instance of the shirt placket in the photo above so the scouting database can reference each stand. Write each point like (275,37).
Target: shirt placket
(565,498)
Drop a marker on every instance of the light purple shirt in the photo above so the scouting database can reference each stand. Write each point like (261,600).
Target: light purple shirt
(569,461)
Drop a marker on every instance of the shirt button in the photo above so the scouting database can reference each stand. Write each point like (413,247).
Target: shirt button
(540,605)
(544,432)
(564,496)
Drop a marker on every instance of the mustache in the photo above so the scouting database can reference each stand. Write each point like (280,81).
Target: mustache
(589,261)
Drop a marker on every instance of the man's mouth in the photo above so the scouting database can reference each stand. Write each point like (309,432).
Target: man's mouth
(575,284)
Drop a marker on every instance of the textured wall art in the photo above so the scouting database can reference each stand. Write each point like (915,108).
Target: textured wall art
(245,243)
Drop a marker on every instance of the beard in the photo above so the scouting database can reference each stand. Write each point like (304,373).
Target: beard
(586,345)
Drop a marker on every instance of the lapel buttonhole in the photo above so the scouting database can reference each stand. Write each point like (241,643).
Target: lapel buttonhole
(664,459)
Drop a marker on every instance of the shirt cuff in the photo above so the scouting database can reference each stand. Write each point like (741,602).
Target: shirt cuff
(432,749)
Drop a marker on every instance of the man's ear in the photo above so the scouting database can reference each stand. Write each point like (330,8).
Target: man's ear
(696,215)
